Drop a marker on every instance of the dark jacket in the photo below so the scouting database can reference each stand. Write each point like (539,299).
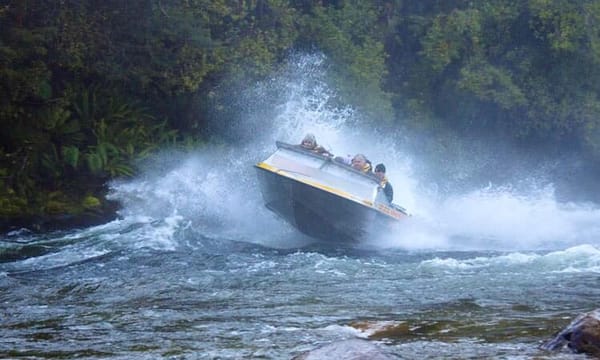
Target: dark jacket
(388,190)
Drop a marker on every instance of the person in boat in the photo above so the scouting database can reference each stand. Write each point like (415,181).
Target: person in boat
(310,143)
(361,163)
(385,185)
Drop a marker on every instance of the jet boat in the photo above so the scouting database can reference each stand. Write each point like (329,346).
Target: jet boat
(324,198)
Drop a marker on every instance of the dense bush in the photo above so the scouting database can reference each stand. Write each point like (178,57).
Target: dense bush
(88,86)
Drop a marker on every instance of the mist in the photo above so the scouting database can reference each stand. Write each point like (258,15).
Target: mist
(461,195)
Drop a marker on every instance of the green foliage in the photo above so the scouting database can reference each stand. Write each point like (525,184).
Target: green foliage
(490,83)
(89,87)
(348,34)
(70,155)
(451,37)
(592,24)
(559,22)
(120,132)
(90,202)
(527,68)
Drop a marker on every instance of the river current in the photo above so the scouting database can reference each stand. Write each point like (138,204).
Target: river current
(107,293)
(196,268)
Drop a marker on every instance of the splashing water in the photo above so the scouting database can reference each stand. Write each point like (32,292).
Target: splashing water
(214,191)
(196,267)
(502,219)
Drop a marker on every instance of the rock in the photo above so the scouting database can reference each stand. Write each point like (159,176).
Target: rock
(582,335)
(378,330)
(355,349)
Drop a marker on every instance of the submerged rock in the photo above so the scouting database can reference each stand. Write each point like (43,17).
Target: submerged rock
(582,335)
(355,349)
(382,329)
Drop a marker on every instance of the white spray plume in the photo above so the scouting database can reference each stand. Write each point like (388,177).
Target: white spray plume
(215,191)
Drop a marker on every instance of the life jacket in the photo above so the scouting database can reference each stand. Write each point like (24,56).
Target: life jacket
(383,182)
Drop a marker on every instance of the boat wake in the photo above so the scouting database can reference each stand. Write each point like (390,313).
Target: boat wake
(498,219)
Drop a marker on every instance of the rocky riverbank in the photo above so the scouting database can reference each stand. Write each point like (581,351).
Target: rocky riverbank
(61,213)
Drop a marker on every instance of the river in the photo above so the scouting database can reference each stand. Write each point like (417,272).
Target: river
(151,288)
(196,268)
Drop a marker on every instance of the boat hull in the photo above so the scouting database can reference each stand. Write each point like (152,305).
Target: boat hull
(325,198)
(316,212)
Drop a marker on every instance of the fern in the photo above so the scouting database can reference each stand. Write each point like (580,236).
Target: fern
(70,155)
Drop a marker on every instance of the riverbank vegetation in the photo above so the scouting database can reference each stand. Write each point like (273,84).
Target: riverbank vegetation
(88,87)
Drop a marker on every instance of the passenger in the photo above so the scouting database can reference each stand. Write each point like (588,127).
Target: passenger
(360,163)
(310,143)
(383,182)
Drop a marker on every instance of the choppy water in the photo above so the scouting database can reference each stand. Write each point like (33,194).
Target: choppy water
(108,292)
(196,268)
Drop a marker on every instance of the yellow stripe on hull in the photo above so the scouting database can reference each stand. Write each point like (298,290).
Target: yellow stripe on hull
(380,207)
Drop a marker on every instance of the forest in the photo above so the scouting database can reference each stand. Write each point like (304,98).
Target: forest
(89,87)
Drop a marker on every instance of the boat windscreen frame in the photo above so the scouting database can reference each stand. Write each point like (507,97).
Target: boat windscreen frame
(299,149)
